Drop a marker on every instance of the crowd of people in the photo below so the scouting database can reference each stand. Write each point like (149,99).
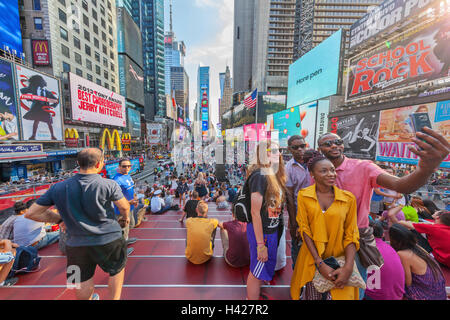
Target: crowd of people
(356,230)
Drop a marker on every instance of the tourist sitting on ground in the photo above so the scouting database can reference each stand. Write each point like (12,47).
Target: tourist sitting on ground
(201,232)
(389,282)
(190,207)
(231,193)
(157,204)
(235,243)
(31,233)
(423,276)
(7,256)
(410,212)
(422,211)
(7,227)
(221,201)
(393,215)
(437,235)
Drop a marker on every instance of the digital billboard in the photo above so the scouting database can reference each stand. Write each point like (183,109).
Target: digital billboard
(243,115)
(9,127)
(316,74)
(287,123)
(93,103)
(129,38)
(131,80)
(269,104)
(395,131)
(314,120)
(359,132)
(419,55)
(10,31)
(40,105)
(134,122)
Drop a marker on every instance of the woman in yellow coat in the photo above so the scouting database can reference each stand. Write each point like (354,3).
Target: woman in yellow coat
(327,224)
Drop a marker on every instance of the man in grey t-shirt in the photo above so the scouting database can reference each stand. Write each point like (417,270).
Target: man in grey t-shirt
(94,236)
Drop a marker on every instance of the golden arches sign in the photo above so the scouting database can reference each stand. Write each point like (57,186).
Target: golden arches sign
(113,138)
(71,133)
(126,141)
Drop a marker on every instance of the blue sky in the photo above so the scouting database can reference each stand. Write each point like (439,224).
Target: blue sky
(206,27)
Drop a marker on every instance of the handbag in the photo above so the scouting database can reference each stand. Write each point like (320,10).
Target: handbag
(323,285)
(369,254)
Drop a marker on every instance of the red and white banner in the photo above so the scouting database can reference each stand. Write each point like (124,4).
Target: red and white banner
(93,103)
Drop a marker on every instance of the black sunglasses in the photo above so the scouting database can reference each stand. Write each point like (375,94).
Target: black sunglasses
(126,166)
(329,143)
(300,146)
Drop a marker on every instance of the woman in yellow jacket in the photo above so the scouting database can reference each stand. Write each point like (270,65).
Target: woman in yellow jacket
(327,224)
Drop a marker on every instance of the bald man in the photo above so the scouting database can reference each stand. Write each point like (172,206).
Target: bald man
(94,235)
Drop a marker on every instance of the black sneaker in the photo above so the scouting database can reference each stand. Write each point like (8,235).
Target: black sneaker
(131,241)
(10,282)
(130,251)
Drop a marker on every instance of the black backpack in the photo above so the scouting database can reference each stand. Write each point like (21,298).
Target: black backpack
(242,203)
(27,260)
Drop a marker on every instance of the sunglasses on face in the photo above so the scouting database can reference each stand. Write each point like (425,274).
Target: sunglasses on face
(329,143)
(300,146)
(126,166)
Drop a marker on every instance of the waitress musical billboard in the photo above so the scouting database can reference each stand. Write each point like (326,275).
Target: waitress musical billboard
(40,105)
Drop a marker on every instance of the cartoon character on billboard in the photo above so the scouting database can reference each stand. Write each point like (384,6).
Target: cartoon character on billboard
(43,101)
(442,48)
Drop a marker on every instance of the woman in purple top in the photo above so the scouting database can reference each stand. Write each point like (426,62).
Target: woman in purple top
(423,276)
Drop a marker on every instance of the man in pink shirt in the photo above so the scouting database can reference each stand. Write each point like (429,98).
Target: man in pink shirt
(360,177)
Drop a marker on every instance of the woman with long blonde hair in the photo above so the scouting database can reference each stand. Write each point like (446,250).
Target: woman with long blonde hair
(266,189)
(200,186)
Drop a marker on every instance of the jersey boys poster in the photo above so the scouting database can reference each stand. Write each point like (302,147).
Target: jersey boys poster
(39,105)
(420,55)
(93,103)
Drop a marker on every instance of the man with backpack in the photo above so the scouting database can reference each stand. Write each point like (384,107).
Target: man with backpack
(94,235)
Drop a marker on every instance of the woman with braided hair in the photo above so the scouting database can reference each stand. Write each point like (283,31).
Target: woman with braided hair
(326,218)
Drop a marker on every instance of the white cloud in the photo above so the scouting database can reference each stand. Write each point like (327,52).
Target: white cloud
(216,52)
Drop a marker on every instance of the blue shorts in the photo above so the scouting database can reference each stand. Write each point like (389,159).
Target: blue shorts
(262,270)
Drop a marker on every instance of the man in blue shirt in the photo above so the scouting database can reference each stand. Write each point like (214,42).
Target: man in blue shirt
(126,183)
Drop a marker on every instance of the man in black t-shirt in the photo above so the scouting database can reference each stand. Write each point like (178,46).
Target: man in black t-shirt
(191,205)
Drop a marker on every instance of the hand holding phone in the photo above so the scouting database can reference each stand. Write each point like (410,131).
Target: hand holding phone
(419,120)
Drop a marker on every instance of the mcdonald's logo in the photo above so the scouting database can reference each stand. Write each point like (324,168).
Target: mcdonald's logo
(42,45)
(71,137)
(41,55)
(113,138)
(126,141)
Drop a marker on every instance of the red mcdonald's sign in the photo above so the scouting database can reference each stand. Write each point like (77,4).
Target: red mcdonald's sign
(41,52)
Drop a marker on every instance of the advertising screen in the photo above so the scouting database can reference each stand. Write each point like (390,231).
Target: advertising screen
(243,115)
(316,74)
(128,36)
(93,103)
(10,32)
(131,80)
(287,123)
(9,127)
(41,52)
(255,132)
(154,131)
(40,105)
(395,131)
(270,104)
(134,122)
(314,118)
(421,54)
(360,134)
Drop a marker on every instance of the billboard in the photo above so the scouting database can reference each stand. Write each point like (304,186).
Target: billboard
(154,132)
(316,74)
(287,123)
(129,38)
(313,121)
(9,127)
(10,31)
(359,132)
(93,103)
(40,105)
(395,131)
(242,115)
(131,78)
(41,52)
(255,132)
(134,122)
(420,55)
(269,104)
(389,14)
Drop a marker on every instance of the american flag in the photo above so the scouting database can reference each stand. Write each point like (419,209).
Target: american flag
(250,100)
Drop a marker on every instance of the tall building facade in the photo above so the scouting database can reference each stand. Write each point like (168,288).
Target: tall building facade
(180,85)
(263,44)
(149,16)
(226,100)
(174,53)
(316,20)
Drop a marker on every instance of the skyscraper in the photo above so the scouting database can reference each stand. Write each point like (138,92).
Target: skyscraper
(226,100)
(316,20)
(149,15)
(263,44)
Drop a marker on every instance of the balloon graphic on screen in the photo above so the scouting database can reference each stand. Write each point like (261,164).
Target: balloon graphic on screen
(302,115)
(304,133)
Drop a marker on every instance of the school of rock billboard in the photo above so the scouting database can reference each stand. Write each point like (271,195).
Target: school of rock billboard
(9,128)
(40,105)
(420,55)
(395,131)
(359,132)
